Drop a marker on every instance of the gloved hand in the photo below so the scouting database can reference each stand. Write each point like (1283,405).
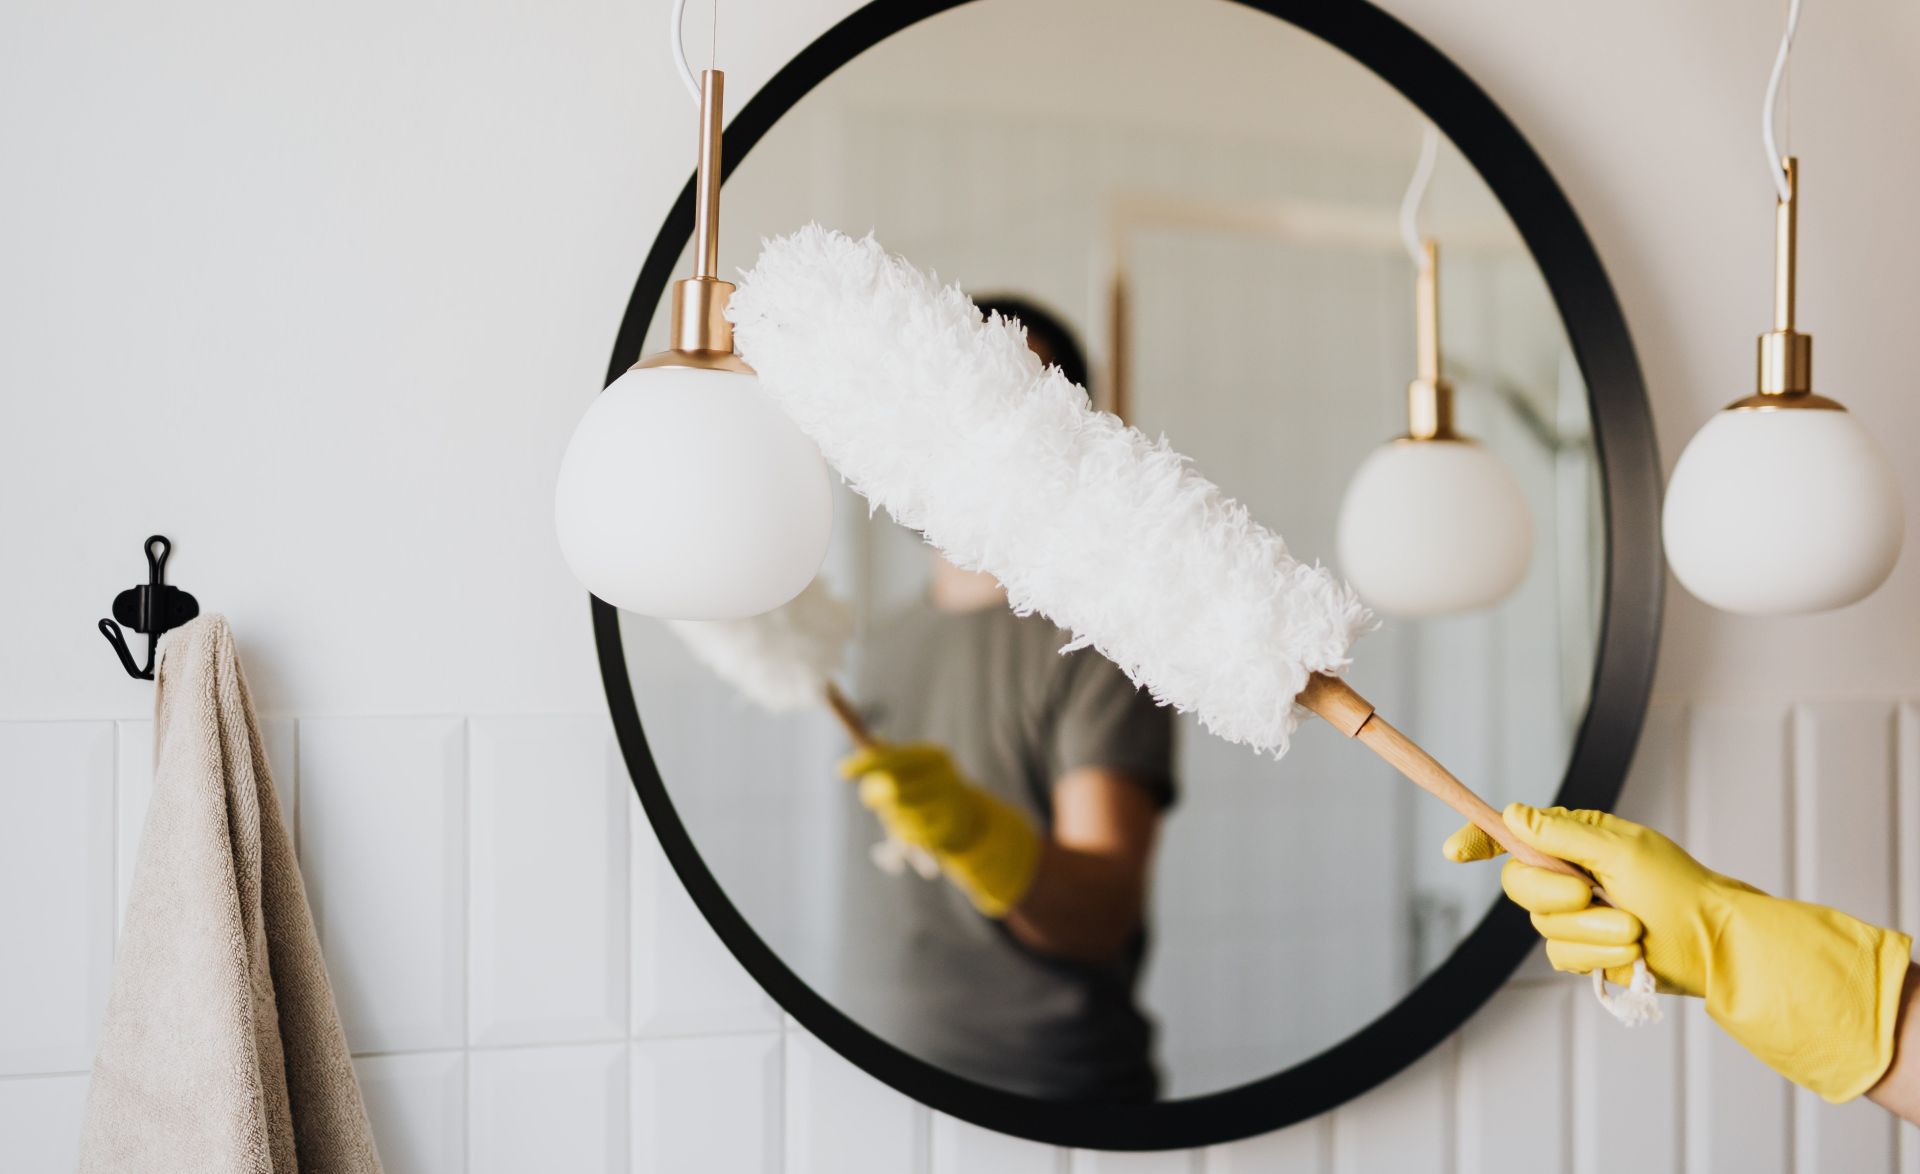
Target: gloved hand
(1811,991)
(988,848)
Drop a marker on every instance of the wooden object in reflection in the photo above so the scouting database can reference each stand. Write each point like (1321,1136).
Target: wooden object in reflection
(850,719)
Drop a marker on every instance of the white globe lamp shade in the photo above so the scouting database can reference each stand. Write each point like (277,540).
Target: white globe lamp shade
(1434,526)
(687,494)
(1780,511)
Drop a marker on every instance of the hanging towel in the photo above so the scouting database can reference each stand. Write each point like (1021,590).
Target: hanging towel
(222,1051)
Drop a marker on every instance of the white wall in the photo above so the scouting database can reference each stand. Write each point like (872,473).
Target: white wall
(320,293)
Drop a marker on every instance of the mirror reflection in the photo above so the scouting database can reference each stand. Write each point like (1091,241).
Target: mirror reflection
(1127,908)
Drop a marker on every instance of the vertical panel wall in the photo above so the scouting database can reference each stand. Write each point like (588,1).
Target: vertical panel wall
(527,986)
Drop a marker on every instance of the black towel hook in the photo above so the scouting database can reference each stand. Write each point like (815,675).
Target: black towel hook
(152,608)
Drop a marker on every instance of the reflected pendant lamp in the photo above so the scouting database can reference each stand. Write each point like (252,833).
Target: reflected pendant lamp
(1783,504)
(686,493)
(1433,523)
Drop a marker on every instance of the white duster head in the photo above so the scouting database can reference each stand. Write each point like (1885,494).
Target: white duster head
(953,426)
(780,660)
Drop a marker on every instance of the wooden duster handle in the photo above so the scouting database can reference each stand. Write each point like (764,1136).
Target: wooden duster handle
(1353,715)
(850,719)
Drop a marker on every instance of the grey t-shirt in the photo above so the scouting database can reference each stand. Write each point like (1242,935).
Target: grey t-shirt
(921,966)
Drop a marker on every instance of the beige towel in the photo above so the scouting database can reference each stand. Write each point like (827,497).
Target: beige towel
(222,1051)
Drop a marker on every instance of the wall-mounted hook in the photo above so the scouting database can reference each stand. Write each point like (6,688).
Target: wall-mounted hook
(152,608)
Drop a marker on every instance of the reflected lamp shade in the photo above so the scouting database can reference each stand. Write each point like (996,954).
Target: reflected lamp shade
(687,494)
(1782,511)
(1434,526)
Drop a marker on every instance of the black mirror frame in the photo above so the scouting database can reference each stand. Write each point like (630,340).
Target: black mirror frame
(1603,747)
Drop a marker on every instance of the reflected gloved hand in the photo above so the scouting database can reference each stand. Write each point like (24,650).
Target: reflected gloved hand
(1809,990)
(988,848)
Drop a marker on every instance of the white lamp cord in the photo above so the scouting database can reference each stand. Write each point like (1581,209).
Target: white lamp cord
(1774,156)
(1417,194)
(676,37)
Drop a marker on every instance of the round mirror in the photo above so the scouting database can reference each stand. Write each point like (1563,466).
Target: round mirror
(1195,208)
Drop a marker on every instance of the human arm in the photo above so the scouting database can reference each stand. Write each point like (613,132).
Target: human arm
(1108,751)
(1819,996)
(1899,1090)
(1075,893)
(1089,888)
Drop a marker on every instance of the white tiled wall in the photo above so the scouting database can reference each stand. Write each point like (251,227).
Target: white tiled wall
(528,988)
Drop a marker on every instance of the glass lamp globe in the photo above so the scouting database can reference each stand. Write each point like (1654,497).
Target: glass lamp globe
(1783,504)
(1777,511)
(686,493)
(1434,526)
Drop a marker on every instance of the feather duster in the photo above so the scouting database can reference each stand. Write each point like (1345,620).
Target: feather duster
(782,660)
(955,427)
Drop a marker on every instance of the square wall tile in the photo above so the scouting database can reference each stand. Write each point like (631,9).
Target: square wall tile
(1163,1162)
(561,1109)
(56,892)
(1306,1148)
(40,1119)
(418,1106)
(963,1148)
(684,981)
(549,882)
(711,1103)
(842,1121)
(383,834)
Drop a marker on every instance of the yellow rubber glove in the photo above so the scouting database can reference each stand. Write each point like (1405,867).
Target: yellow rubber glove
(988,848)
(1813,993)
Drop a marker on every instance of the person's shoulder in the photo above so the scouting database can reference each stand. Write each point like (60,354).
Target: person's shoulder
(1042,638)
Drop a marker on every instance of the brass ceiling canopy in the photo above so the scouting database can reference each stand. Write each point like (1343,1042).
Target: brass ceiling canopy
(700,335)
(1785,378)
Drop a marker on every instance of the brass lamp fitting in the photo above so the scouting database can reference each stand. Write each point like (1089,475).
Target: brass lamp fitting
(1429,396)
(1785,377)
(700,335)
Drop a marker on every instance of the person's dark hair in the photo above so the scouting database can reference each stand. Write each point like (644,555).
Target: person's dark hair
(1053,338)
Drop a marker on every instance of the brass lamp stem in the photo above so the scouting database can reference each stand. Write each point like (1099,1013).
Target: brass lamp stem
(1786,355)
(1786,239)
(1429,396)
(706,192)
(1426,312)
(700,335)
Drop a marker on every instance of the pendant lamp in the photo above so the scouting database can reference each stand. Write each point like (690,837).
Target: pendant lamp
(1432,523)
(1783,504)
(685,492)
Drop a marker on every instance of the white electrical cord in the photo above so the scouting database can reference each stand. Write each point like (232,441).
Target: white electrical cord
(1774,155)
(1417,194)
(676,22)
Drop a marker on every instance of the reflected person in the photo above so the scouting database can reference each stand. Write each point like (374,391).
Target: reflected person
(1038,781)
